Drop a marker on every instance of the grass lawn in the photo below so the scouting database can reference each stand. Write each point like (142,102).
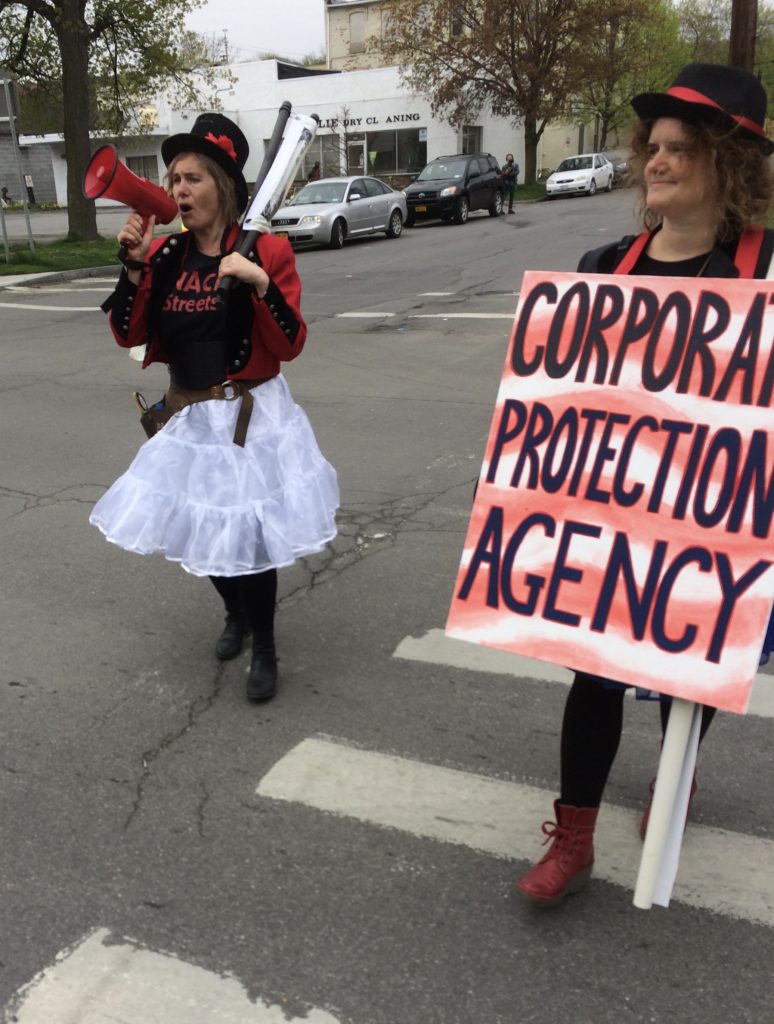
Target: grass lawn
(61,255)
(527,193)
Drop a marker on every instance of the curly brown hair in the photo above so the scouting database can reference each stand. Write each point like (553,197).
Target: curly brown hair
(227,197)
(744,182)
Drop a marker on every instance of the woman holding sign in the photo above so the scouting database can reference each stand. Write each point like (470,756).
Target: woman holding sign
(700,154)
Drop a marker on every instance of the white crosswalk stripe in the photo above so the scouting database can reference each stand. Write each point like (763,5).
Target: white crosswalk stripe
(101,980)
(438,649)
(502,819)
(50,309)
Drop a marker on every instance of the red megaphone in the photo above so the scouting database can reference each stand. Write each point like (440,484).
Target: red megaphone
(107,176)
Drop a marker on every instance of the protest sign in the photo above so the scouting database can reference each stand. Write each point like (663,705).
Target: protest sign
(622,520)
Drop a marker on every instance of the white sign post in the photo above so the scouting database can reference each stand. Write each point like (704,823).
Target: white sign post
(671,795)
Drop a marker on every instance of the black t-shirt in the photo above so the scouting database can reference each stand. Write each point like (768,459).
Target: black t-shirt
(671,268)
(192,324)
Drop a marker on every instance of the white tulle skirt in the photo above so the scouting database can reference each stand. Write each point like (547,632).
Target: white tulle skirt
(195,497)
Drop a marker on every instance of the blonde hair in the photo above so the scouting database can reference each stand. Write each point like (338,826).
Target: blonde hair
(743,180)
(227,197)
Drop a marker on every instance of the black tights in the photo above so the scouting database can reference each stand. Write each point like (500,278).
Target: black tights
(254,595)
(591,732)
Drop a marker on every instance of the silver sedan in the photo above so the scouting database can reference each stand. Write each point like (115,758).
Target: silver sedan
(331,210)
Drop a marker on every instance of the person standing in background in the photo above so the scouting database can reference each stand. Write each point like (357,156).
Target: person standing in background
(510,171)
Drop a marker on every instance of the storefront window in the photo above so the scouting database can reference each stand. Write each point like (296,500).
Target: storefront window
(412,150)
(397,152)
(471,138)
(327,149)
(145,167)
(390,152)
(331,155)
(382,153)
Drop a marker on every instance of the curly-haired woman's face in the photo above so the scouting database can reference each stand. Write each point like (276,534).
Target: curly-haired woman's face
(680,181)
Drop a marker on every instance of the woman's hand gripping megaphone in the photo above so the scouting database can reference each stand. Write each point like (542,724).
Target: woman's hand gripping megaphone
(135,238)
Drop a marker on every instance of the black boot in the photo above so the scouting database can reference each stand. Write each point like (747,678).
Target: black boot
(231,639)
(262,681)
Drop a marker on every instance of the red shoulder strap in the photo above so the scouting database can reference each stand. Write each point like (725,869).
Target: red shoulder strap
(748,250)
(635,251)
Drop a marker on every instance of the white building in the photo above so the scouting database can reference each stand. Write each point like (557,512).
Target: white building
(370,122)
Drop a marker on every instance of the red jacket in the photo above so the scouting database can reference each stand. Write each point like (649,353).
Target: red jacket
(261,333)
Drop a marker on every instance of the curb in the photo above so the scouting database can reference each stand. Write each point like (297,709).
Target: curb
(51,277)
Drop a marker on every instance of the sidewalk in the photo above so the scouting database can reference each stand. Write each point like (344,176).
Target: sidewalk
(53,276)
(48,226)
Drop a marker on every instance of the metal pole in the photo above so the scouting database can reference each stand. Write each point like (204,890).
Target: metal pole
(5,236)
(15,141)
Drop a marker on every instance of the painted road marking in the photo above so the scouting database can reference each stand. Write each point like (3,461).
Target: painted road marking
(461,316)
(503,819)
(94,983)
(38,289)
(436,648)
(51,309)
(361,315)
(447,294)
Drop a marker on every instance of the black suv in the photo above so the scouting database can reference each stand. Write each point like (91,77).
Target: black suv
(451,186)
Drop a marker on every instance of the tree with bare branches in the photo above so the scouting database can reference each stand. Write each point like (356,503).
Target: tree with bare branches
(522,58)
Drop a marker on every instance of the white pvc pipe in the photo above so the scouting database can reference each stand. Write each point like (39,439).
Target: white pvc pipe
(661,850)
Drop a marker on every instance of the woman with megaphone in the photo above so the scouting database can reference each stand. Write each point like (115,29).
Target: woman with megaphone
(234,486)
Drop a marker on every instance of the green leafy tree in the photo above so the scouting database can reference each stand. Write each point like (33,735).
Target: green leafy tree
(635,48)
(520,57)
(95,64)
(705,31)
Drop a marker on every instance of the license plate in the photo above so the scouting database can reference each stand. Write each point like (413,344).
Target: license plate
(421,209)
(280,234)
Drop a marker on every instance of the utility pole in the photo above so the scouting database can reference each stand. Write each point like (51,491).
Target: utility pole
(744,24)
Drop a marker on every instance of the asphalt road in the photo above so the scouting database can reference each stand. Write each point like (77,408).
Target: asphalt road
(150,839)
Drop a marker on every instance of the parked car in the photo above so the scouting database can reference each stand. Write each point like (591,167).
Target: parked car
(451,186)
(619,158)
(331,210)
(585,173)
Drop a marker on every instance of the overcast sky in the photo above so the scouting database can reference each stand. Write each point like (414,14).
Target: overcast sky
(292,28)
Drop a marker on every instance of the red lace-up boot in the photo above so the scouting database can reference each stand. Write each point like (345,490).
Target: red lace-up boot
(646,815)
(566,867)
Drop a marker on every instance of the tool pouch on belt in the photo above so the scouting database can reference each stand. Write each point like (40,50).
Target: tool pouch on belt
(153,417)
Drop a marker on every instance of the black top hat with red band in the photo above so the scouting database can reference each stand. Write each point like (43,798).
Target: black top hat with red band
(730,96)
(218,137)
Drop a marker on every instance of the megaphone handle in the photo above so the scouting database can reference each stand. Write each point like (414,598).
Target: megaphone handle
(130,264)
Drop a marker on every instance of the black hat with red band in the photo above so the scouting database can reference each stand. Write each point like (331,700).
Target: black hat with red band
(731,97)
(215,136)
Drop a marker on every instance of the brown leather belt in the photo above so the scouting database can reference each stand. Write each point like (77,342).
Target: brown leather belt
(178,398)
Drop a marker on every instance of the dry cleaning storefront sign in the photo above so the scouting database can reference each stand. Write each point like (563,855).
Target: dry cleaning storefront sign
(370,121)
(622,522)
